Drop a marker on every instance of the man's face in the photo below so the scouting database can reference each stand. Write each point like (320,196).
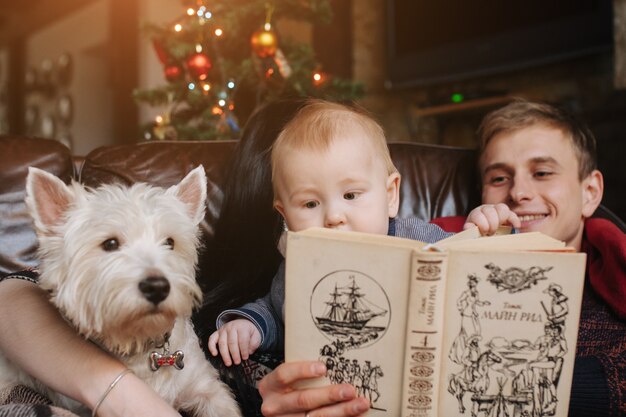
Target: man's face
(534,171)
(346,187)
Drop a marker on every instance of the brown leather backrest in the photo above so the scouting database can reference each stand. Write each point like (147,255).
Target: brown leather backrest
(18,242)
(163,164)
(436,181)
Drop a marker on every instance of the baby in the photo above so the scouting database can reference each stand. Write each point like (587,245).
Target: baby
(331,168)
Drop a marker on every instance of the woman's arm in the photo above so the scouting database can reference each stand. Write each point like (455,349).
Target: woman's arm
(35,337)
(282,398)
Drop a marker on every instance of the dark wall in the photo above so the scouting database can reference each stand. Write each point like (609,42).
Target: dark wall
(608,123)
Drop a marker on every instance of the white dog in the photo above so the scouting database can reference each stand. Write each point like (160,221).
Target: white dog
(119,263)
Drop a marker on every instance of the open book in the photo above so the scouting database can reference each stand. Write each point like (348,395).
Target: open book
(470,326)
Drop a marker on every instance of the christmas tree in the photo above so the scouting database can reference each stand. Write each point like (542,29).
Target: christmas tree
(223,58)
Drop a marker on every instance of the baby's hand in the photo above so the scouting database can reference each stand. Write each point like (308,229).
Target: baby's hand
(489,216)
(236,340)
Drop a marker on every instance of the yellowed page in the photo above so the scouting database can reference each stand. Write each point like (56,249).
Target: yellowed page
(502,349)
(369,357)
(522,241)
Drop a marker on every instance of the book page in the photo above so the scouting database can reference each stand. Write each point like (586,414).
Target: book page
(510,333)
(521,241)
(346,305)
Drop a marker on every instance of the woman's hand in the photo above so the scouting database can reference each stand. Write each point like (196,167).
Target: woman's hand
(282,398)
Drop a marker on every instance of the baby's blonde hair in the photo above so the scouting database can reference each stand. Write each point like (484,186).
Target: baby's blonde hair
(320,122)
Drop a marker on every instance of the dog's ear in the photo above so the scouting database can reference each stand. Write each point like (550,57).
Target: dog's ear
(47,198)
(192,191)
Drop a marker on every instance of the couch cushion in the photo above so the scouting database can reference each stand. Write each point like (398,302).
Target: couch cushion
(436,181)
(18,242)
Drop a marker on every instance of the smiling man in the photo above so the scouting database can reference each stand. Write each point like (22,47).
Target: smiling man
(540,163)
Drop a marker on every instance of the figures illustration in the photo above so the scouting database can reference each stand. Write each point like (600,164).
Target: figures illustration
(558,306)
(546,369)
(340,369)
(470,324)
(370,381)
(517,378)
(352,311)
(474,378)
(467,304)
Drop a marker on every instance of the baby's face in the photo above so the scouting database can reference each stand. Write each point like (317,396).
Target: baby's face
(346,187)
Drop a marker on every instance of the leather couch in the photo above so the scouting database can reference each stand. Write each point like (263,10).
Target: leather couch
(436,181)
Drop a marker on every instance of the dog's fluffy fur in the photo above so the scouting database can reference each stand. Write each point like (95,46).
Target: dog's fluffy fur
(102,251)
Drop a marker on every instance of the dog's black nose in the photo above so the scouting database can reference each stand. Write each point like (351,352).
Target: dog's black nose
(155,289)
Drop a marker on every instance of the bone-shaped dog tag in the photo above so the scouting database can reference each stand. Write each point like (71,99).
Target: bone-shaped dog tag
(157,360)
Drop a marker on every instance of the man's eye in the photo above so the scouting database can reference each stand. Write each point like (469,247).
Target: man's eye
(543,174)
(110,245)
(349,196)
(310,204)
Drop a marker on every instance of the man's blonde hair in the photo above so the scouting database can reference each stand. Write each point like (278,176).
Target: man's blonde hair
(521,114)
(320,122)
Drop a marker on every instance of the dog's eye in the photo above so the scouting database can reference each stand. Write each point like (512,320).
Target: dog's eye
(111,245)
(169,242)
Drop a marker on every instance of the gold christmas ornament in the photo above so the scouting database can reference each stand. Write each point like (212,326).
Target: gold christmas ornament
(264,43)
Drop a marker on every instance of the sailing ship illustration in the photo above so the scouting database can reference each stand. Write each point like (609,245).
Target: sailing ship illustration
(348,308)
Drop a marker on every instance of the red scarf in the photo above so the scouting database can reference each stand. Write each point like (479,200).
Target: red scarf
(605,246)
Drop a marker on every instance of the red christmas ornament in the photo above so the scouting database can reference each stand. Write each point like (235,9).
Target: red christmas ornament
(173,72)
(198,66)
(264,43)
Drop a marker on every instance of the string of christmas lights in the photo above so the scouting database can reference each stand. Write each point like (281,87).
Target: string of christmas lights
(222,59)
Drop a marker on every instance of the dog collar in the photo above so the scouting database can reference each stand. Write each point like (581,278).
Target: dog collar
(165,358)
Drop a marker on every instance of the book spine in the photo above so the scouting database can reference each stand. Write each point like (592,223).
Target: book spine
(423,349)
